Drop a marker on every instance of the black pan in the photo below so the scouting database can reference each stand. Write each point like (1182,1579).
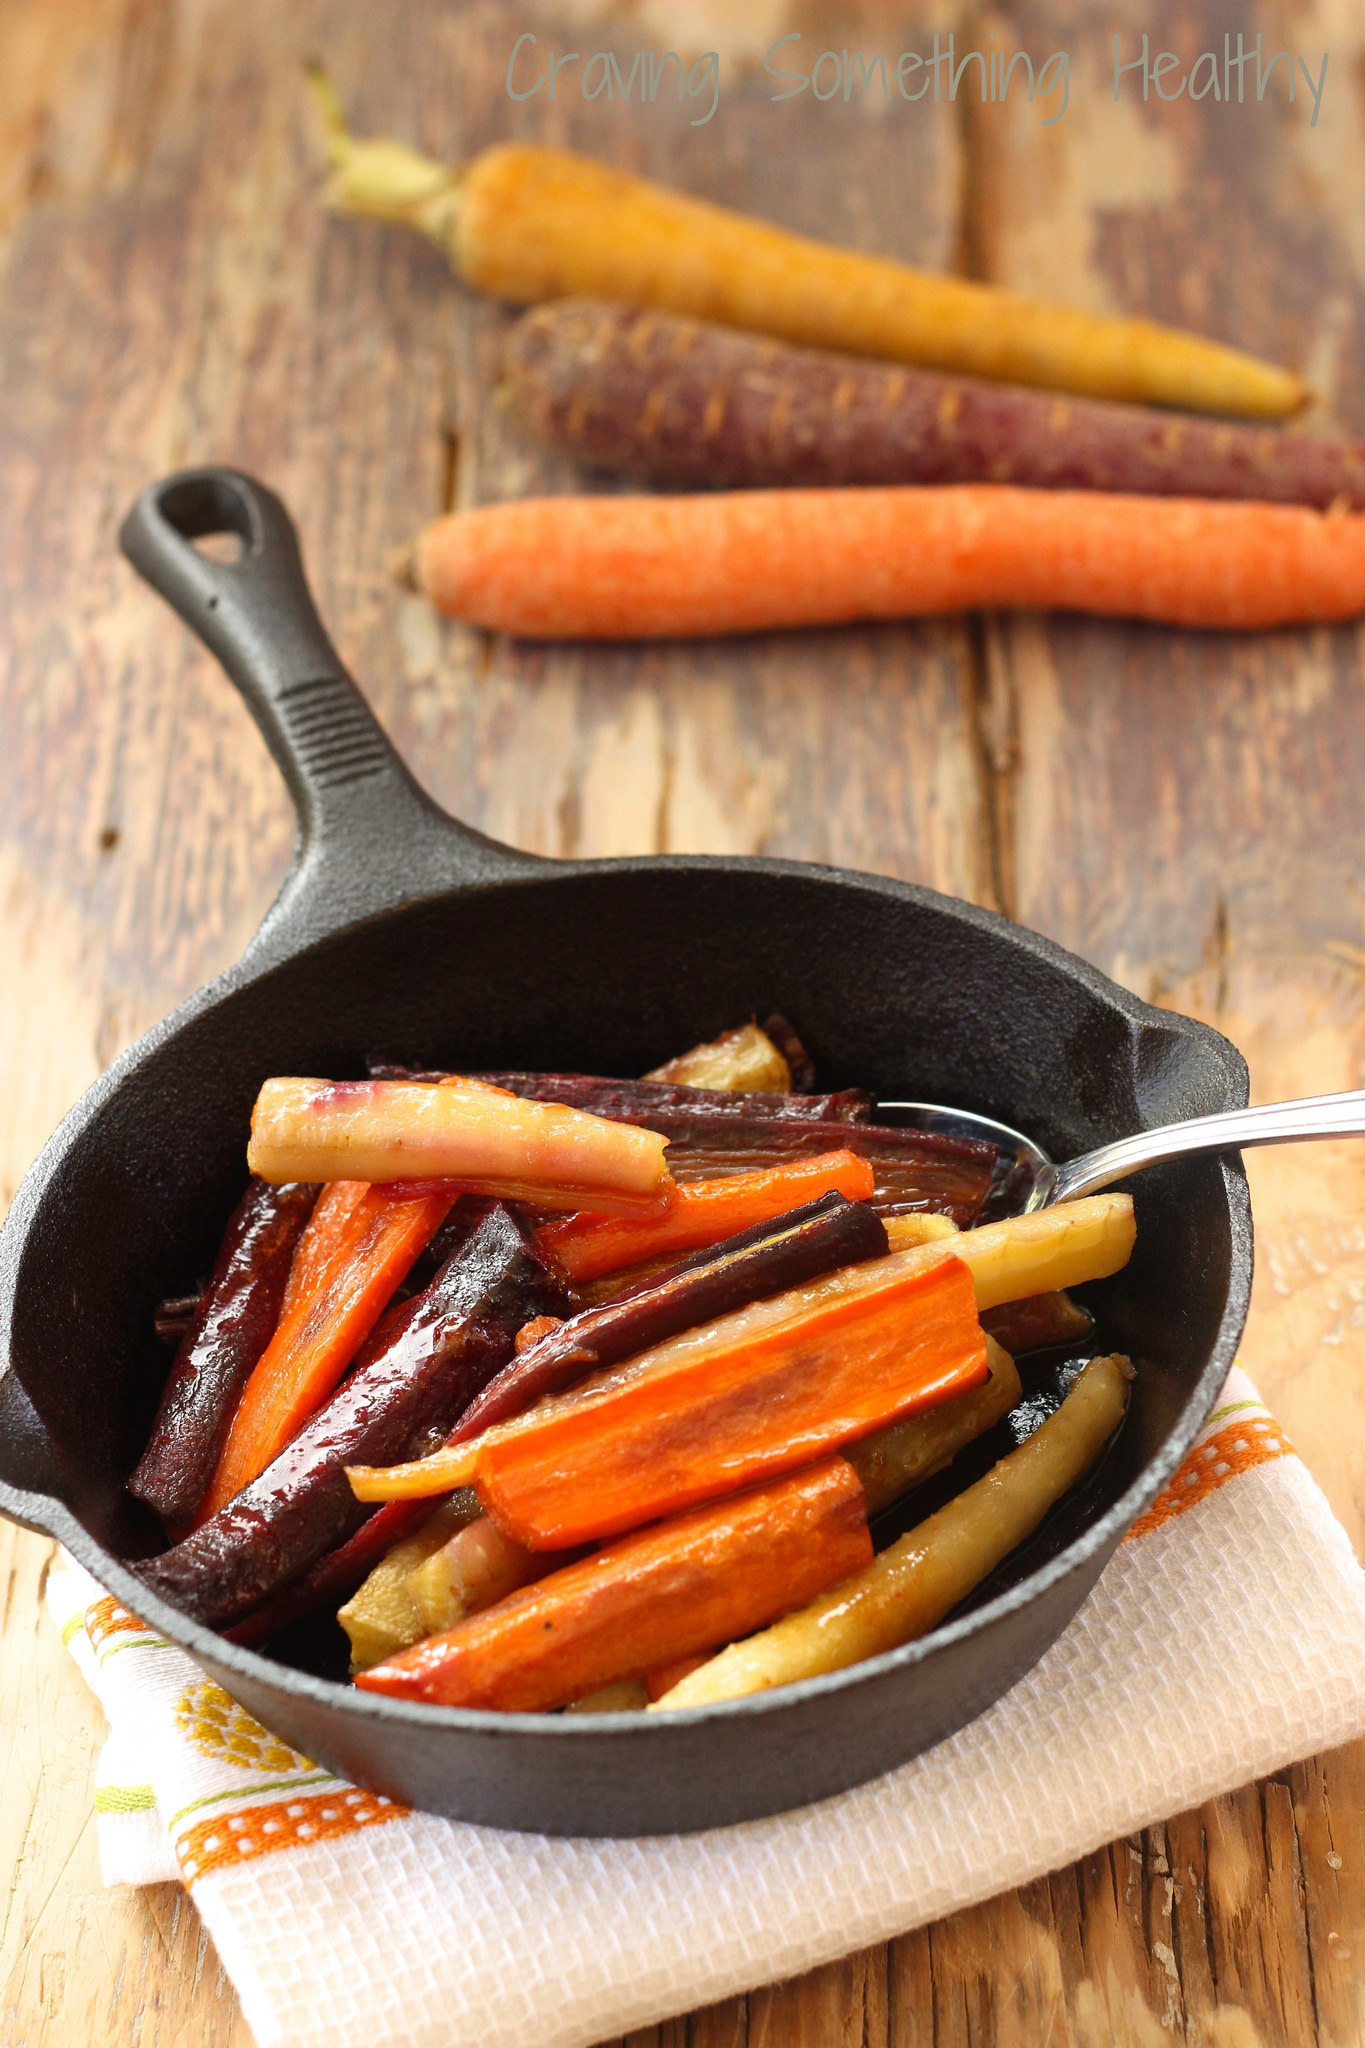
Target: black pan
(402,932)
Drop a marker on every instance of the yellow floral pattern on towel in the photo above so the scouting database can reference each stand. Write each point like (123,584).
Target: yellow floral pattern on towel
(218,1727)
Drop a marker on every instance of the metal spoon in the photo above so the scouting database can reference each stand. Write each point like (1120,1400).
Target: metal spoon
(1026,1179)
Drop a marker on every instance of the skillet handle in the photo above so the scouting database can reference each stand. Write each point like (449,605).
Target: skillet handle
(369,835)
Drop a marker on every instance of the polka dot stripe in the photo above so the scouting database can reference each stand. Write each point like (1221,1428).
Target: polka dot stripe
(107,1618)
(286,1824)
(1244,1443)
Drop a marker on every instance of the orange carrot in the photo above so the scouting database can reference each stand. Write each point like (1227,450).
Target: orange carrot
(663,1677)
(475,1138)
(750,1395)
(612,568)
(532,1332)
(700,1212)
(326,1231)
(704,1578)
(345,1295)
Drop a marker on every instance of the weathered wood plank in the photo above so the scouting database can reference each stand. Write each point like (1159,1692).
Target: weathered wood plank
(78,1963)
(1182,809)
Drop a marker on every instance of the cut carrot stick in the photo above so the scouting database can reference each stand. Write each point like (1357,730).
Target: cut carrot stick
(528,223)
(1065,1246)
(611,568)
(475,1138)
(531,1333)
(664,1677)
(911,1586)
(704,1578)
(748,1396)
(326,1231)
(318,1338)
(700,1212)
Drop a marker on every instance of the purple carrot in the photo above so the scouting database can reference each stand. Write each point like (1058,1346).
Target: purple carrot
(682,402)
(335,1576)
(637,1102)
(443,1350)
(713,1132)
(228,1330)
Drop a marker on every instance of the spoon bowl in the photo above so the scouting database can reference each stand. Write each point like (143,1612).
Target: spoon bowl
(1025,1178)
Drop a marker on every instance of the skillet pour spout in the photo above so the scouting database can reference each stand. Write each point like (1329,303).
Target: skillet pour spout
(401,931)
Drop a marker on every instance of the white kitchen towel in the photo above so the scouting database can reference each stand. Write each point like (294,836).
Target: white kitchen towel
(1225,1640)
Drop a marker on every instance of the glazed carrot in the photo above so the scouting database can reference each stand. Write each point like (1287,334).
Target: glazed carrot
(664,1677)
(528,223)
(531,1333)
(748,1396)
(326,1231)
(912,1585)
(231,1325)
(472,1137)
(476,1567)
(700,1212)
(1065,1246)
(322,1333)
(702,1578)
(613,568)
(738,1062)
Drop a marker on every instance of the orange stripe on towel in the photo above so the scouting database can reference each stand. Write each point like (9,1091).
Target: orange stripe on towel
(236,1838)
(107,1618)
(1256,1440)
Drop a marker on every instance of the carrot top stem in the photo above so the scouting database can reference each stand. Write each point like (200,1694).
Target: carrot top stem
(384,179)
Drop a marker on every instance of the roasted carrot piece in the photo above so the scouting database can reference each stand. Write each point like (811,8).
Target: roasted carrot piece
(232,1323)
(700,1212)
(664,1677)
(700,1579)
(531,1333)
(475,1137)
(324,1234)
(756,1393)
(344,1297)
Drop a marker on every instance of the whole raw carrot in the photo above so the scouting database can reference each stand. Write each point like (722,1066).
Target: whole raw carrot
(625,568)
(701,1212)
(527,223)
(680,402)
(318,1338)
(700,1579)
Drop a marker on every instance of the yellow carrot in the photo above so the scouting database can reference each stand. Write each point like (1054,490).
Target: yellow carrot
(627,568)
(415,1134)
(526,223)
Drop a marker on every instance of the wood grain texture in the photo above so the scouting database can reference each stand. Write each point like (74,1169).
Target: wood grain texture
(1180,809)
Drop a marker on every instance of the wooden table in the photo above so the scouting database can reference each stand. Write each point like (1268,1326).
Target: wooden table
(1185,811)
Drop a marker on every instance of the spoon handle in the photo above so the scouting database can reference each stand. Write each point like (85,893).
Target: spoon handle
(1272,1123)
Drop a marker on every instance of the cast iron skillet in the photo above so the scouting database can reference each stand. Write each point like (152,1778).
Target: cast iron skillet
(402,932)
